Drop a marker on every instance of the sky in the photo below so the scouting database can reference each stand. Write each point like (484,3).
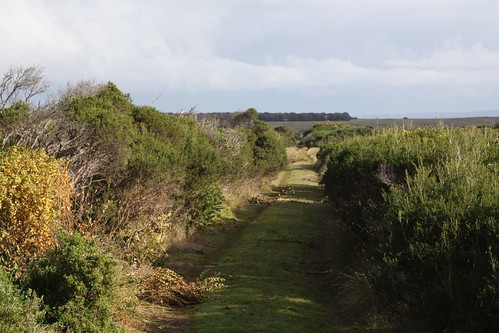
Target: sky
(370,58)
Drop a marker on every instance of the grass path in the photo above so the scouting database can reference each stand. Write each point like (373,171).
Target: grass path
(278,269)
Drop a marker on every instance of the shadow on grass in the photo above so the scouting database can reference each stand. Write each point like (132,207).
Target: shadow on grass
(301,192)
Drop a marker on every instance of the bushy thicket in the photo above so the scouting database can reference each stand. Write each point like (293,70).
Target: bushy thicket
(426,203)
(67,289)
(77,281)
(141,176)
(324,134)
(34,201)
(19,313)
(95,164)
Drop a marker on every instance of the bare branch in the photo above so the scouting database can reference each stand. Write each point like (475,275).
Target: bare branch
(21,84)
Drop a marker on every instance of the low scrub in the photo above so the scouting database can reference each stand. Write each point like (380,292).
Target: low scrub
(19,312)
(34,201)
(165,287)
(76,281)
(425,203)
(327,133)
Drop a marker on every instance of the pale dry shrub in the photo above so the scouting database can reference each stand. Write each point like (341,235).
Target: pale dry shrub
(165,287)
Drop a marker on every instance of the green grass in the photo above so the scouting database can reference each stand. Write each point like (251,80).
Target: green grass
(270,272)
(280,269)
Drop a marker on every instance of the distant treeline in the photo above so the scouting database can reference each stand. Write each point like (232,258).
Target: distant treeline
(290,116)
(310,116)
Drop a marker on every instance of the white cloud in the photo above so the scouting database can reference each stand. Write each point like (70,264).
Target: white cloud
(453,56)
(246,45)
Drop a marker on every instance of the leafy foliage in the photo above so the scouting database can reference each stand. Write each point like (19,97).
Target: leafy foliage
(206,205)
(324,134)
(140,179)
(19,313)
(76,281)
(269,151)
(427,201)
(34,200)
(287,136)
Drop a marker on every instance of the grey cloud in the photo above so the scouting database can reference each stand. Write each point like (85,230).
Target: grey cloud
(316,49)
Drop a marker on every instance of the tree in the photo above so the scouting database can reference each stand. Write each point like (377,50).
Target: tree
(21,84)
(245,119)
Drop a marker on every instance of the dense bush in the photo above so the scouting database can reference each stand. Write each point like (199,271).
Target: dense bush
(206,205)
(19,313)
(34,200)
(428,202)
(140,179)
(76,281)
(361,168)
(324,134)
(287,136)
(269,152)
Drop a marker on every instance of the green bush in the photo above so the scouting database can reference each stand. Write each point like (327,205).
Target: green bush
(206,206)
(76,281)
(324,134)
(440,242)
(426,204)
(19,313)
(361,168)
(269,151)
(286,135)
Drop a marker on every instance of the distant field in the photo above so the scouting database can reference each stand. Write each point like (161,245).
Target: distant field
(296,126)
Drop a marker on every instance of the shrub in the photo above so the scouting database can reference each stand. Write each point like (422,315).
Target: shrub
(107,114)
(440,243)
(427,202)
(19,313)
(18,112)
(206,206)
(361,168)
(324,134)
(164,286)
(34,199)
(269,151)
(286,135)
(76,281)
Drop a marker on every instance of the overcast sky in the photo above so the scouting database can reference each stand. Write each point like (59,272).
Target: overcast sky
(366,57)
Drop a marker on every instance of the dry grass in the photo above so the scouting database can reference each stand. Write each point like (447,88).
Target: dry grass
(152,318)
(163,286)
(296,155)
(237,194)
(358,300)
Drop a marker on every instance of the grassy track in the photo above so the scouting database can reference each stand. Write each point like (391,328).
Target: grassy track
(278,270)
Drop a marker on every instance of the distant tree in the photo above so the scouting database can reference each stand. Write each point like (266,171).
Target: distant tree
(309,116)
(245,119)
(21,84)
